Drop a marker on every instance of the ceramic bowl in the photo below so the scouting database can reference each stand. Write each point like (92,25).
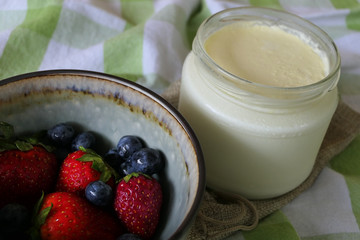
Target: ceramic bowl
(112,107)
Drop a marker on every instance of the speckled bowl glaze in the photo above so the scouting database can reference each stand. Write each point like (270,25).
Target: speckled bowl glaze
(112,107)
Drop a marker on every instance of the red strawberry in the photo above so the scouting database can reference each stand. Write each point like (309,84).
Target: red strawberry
(138,202)
(67,216)
(81,168)
(25,169)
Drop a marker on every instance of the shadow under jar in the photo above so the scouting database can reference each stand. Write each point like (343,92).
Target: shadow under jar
(261,133)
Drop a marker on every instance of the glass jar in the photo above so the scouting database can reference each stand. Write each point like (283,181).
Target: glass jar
(258,141)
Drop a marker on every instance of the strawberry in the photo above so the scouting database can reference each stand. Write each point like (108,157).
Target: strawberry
(138,201)
(67,216)
(26,168)
(81,168)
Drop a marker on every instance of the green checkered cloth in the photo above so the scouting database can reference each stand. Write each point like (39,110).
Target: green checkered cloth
(147,42)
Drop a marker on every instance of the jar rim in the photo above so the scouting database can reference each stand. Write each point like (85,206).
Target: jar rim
(334,69)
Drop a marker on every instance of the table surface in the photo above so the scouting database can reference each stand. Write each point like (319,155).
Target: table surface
(147,42)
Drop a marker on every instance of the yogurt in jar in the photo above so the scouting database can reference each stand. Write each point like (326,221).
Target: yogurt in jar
(260,94)
(266,54)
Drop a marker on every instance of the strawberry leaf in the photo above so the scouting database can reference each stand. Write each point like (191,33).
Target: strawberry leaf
(30,140)
(6,130)
(129,176)
(134,174)
(38,218)
(91,158)
(23,145)
(89,151)
(36,138)
(105,176)
(6,145)
(48,148)
(37,206)
(98,164)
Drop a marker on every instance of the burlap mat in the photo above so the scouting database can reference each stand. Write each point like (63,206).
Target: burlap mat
(221,216)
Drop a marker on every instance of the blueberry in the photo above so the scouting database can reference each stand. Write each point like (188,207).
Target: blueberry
(146,160)
(129,236)
(127,145)
(125,169)
(14,219)
(61,134)
(99,193)
(85,139)
(113,158)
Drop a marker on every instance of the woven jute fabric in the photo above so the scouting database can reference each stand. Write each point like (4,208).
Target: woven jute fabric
(220,216)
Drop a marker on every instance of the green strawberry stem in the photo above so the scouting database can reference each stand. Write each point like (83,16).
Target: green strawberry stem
(98,164)
(134,174)
(6,145)
(9,142)
(38,219)
(23,145)
(7,135)
(6,130)
(36,139)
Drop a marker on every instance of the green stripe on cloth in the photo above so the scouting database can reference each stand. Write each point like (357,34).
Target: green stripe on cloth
(336,236)
(353,19)
(28,42)
(353,183)
(348,161)
(348,164)
(344,3)
(136,11)
(123,54)
(275,225)
(266,3)
(199,15)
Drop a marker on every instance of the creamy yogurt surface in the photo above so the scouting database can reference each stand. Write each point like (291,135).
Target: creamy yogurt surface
(266,54)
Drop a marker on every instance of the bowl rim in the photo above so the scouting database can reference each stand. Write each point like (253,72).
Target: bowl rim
(190,217)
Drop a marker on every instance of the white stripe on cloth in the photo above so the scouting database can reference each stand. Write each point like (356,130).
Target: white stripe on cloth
(324,208)
(163,50)
(10,21)
(101,12)
(7,5)
(307,8)
(59,56)
(219,5)
(350,55)
(4,36)
(188,6)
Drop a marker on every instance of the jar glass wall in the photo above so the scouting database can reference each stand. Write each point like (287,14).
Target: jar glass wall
(258,140)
